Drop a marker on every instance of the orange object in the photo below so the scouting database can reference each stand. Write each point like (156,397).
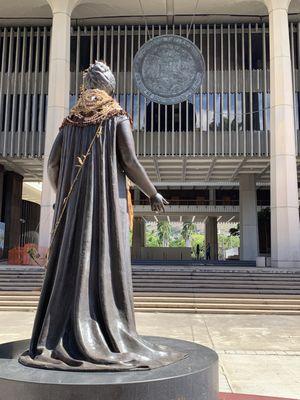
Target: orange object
(29,247)
(27,255)
(15,256)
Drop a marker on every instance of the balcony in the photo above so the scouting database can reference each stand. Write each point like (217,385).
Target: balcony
(193,210)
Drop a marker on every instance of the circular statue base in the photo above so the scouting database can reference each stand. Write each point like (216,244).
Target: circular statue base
(194,378)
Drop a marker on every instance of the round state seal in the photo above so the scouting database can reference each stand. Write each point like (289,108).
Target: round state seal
(168,69)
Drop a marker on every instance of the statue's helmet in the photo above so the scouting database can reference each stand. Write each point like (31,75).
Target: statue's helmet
(99,76)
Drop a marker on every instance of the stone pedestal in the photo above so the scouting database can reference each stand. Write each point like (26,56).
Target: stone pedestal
(194,378)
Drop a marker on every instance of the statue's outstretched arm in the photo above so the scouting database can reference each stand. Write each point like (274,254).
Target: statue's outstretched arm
(129,161)
(54,161)
(132,167)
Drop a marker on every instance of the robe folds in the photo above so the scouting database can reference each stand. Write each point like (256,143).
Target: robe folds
(85,318)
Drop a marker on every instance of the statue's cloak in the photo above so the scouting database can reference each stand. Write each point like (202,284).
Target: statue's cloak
(85,318)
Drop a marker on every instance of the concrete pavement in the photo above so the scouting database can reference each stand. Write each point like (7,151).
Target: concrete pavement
(259,354)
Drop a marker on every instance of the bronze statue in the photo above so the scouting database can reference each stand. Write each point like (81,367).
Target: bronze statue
(85,318)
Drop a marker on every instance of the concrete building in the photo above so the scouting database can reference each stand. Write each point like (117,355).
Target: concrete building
(239,132)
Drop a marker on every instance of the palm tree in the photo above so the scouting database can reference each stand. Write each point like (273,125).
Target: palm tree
(187,230)
(164,232)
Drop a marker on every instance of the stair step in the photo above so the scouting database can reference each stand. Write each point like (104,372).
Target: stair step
(10,300)
(193,282)
(218,311)
(166,274)
(21,273)
(19,299)
(20,283)
(20,293)
(214,279)
(210,273)
(221,290)
(21,288)
(218,306)
(17,308)
(202,300)
(214,295)
(236,289)
(215,308)
(19,303)
(18,279)
(21,276)
(222,273)
(227,276)
(188,281)
(178,300)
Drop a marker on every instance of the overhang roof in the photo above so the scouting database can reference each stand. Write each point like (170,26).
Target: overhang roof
(129,11)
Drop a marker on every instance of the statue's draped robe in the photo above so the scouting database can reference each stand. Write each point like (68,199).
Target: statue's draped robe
(85,318)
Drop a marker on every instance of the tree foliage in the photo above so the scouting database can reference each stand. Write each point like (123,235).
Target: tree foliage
(187,230)
(164,230)
(166,235)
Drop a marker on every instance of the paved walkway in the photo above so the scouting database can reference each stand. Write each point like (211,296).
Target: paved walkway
(259,354)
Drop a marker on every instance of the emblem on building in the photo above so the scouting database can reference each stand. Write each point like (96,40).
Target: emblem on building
(168,69)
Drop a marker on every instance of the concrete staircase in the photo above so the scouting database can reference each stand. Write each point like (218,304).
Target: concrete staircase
(225,288)
(20,287)
(252,304)
(232,289)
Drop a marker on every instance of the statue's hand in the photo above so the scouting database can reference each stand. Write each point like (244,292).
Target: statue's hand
(158,203)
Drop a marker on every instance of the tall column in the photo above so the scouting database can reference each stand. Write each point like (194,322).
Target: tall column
(136,196)
(138,237)
(12,206)
(211,236)
(285,228)
(248,218)
(58,101)
(212,197)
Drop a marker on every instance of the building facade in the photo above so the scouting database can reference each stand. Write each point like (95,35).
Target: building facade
(239,133)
